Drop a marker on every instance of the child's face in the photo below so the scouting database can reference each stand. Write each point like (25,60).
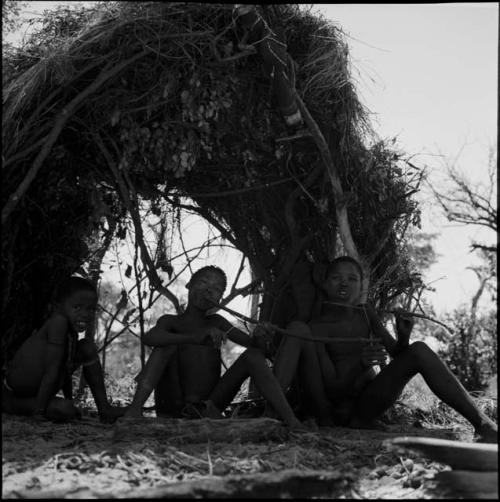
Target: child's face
(343,283)
(206,290)
(79,308)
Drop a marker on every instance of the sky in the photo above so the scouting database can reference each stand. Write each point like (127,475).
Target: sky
(429,75)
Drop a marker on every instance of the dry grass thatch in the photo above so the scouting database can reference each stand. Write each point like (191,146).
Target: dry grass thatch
(161,101)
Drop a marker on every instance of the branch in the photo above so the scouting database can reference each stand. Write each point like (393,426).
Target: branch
(340,207)
(236,191)
(59,123)
(402,312)
(25,129)
(240,270)
(225,233)
(150,268)
(484,247)
(240,291)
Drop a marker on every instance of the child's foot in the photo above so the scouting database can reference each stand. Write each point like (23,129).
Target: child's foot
(109,414)
(211,411)
(487,433)
(133,412)
(297,426)
(269,412)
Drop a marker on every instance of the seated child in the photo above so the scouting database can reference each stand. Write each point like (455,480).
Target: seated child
(45,361)
(341,382)
(184,367)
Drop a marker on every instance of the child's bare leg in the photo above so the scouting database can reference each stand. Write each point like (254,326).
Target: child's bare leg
(314,372)
(168,395)
(149,378)
(252,363)
(287,358)
(58,409)
(301,355)
(285,367)
(383,391)
(92,371)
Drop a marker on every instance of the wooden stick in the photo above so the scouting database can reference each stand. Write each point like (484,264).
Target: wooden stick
(402,312)
(291,333)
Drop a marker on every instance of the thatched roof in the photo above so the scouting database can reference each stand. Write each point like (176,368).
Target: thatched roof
(168,95)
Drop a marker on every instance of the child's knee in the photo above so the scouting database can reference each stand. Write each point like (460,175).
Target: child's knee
(419,350)
(253,357)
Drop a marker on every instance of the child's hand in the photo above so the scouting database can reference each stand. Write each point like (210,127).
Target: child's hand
(373,354)
(217,337)
(264,330)
(209,336)
(264,336)
(404,326)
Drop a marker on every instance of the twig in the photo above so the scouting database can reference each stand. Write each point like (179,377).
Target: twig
(340,208)
(149,265)
(240,270)
(141,308)
(237,190)
(395,311)
(282,331)
(59,123)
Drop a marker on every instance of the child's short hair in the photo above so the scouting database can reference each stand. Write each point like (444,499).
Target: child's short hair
(72,285)
(210,268)
(344,259)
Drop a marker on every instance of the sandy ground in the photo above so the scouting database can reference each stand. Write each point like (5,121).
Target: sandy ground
(84,459)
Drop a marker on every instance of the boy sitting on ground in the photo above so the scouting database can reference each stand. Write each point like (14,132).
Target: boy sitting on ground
(184,367)
(46,360)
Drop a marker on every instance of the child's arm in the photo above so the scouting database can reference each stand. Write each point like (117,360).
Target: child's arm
(57,328)
(162,335)
(234,334)
(380,332)
(260,340)
(404,326)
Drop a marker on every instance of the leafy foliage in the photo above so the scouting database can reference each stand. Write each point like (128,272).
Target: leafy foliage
(471,352)
(10,15)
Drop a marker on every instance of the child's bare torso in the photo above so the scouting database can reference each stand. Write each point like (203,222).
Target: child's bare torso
(26,369)
(199,365)
(344,355)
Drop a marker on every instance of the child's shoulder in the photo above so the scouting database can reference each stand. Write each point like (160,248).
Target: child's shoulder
(55,328)
(167,319)
(218,320)
(55,320)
